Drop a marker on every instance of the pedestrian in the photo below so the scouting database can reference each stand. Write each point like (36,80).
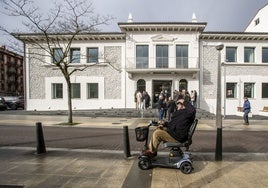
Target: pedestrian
(160,104)
(146,99)
(171,105)
(139,100)
(246,110)
(165,108)
(193,97)
(135,99)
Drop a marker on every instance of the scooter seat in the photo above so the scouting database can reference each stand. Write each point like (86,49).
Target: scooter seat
(188,142)
(177,144)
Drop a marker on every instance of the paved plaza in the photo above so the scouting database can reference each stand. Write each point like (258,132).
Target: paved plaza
(62,167)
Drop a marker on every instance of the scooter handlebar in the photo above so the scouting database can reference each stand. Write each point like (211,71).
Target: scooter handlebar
(153,123)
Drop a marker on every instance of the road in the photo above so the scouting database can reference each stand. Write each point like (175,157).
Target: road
(112,139)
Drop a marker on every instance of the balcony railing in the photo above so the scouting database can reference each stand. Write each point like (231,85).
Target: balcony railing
(162,63)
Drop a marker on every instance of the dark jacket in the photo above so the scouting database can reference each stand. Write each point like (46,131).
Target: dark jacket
(181,121)
(171,105)
(160,104)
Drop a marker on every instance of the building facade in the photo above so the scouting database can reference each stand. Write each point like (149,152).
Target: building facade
(11,69)
(152,57)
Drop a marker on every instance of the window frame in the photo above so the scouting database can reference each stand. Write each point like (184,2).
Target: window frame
(248,56)
(263,90)
(143,60)
(54,90)
(93,59)
(266,55)
(61,55)
(182,60)
(75,60)
(89,92)
(233,89)
(162,56)
(252,90)
(73,92)
(234,55)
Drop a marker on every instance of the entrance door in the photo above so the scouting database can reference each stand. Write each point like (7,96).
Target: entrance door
(158,86)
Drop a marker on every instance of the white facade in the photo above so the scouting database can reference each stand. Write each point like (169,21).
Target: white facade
(260,22)
(239,73)
(158,66)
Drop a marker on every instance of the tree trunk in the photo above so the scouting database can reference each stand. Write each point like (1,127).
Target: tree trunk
(70,112)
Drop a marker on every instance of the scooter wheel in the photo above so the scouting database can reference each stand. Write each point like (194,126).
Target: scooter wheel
(144,164)
(186,167)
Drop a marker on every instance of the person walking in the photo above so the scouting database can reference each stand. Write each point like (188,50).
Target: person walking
(246,110)
(160,104)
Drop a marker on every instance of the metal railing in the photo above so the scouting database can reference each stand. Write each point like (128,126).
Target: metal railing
(162,62)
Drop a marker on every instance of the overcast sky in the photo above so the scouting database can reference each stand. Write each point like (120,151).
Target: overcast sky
(220,15)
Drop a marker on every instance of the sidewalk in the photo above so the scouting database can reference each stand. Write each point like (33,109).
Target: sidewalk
(119,122)
(61,168)
(65,168)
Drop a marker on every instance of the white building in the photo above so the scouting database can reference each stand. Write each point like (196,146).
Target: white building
(155,56)
(259,23)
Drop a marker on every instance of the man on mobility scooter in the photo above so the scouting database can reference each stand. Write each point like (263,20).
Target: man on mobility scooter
(175,134)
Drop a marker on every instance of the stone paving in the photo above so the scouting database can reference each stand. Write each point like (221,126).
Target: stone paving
(21,167)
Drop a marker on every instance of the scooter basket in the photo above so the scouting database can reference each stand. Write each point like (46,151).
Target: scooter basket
(141,133)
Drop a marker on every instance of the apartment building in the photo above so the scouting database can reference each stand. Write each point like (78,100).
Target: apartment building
(11,69)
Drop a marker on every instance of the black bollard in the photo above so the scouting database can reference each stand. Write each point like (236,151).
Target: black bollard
(40,147)
(126,142)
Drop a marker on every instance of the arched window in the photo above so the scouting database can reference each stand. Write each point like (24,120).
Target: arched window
(141,85)
(183,85)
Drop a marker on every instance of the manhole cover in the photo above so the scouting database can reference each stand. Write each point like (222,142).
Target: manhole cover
(116,123)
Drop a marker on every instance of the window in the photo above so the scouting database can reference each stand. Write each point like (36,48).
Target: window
(57,55)
(231,54)
(75,55)
(141,85)
(92,55)
(231,90)
(183,85)
(249,90)
(257,21)
(181,56)
(57,91)
(142,56)
(162,56)
(92,90)
(249,56)
(264,90)
(265,55)
(75,91)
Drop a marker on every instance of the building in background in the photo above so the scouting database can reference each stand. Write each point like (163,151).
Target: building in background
(259,22)
(11,73)
(154,57)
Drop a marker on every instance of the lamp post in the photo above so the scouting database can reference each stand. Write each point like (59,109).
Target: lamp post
(218,152)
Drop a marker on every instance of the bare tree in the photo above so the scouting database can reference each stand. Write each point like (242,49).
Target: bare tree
(57,29)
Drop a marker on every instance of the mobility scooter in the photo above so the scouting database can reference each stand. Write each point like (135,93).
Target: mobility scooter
(177,158)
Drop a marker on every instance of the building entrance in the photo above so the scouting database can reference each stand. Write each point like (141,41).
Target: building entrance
(158,86)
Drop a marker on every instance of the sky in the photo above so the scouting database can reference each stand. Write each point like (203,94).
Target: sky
(220,15)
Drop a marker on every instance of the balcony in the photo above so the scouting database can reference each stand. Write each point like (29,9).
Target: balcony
(162,65)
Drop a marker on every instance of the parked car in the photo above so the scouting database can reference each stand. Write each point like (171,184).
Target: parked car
(2,104)
(14,102)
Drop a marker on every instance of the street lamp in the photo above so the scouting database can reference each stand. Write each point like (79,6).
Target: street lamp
(218,152)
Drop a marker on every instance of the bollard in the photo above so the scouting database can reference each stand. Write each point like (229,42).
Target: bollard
(126,142)
(40,147)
